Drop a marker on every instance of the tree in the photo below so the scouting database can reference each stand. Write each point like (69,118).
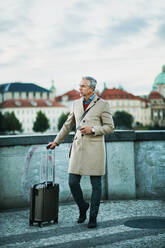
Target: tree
(11,123)
(156,127)
(2,124)
(41,123)
(123,120)
(63,117)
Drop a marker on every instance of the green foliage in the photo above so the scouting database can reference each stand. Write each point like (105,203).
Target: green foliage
(139,126)
(63,117)
(123,120)
(9,123)
(156,127)
(2,122)
(41,123)
(61,120)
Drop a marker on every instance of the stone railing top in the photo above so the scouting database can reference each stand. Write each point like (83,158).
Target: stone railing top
(14,140)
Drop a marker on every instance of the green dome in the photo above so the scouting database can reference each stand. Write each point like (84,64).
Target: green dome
(160,79)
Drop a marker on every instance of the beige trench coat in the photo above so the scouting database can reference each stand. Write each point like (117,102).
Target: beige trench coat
(88,151)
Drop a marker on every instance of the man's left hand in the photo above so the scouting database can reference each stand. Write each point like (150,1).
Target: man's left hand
(86,130)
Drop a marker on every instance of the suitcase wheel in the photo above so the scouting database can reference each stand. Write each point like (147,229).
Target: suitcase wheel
(30,222)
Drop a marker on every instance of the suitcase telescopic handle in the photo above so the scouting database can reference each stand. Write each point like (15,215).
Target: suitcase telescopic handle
(53,166)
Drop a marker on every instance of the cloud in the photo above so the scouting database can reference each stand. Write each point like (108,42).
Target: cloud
(120,32)
(63,40)
(68,37)
(72,32)
(6,26)
(130,26)
(14,15)
(161,32)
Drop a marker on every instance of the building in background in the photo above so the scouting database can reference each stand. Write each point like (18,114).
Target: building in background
(148,110)
(19,90)
(159,83)
(121,100)
(157,106)
(157,100)
(26,99)
(68,97)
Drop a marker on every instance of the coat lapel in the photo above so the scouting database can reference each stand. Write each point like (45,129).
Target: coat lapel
(81,106)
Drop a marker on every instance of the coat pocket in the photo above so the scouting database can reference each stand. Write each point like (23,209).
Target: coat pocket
(96,139)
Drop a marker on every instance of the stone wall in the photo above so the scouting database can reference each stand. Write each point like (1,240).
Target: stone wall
(135,164)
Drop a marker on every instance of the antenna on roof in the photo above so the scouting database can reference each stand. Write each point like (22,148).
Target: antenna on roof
(53,89)
(105,86)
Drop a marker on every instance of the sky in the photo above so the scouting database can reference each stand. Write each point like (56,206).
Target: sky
(120,42)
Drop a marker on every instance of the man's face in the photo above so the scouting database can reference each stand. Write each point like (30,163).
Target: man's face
(85,91)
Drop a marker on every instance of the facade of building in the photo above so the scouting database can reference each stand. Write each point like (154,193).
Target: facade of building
(19,90)
(121,100)
(157,106)
(25,100)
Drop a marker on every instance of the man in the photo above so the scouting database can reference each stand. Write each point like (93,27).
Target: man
(88,148)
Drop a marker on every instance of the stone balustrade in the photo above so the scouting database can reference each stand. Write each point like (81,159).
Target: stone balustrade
(135,167)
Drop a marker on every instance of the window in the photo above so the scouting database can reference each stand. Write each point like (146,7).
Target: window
(48,103)
(161,114)
(12,95)
(18,103)
(33,103)
(27,95)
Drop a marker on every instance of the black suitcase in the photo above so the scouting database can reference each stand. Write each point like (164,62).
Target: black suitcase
(44,199)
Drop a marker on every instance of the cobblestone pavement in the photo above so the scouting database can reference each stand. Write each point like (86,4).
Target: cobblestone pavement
(124,224)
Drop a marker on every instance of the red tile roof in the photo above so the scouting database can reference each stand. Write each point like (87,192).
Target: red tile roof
(72,95)
(110,94)
(155,95)
(18,103)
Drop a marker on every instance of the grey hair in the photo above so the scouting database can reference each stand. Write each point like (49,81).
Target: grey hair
(92,82)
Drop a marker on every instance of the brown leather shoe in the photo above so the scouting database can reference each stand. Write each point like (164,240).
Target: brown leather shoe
(82,216)
(92,222)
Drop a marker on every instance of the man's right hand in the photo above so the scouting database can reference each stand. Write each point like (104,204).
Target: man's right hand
(51,145)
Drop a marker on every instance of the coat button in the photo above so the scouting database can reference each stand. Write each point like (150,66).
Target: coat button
(82,134)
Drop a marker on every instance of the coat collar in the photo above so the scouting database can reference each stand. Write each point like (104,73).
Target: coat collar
(91,103)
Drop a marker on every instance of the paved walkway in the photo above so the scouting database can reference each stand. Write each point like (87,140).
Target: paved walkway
(124,224)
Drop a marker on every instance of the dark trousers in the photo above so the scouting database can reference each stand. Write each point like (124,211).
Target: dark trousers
(74,184)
